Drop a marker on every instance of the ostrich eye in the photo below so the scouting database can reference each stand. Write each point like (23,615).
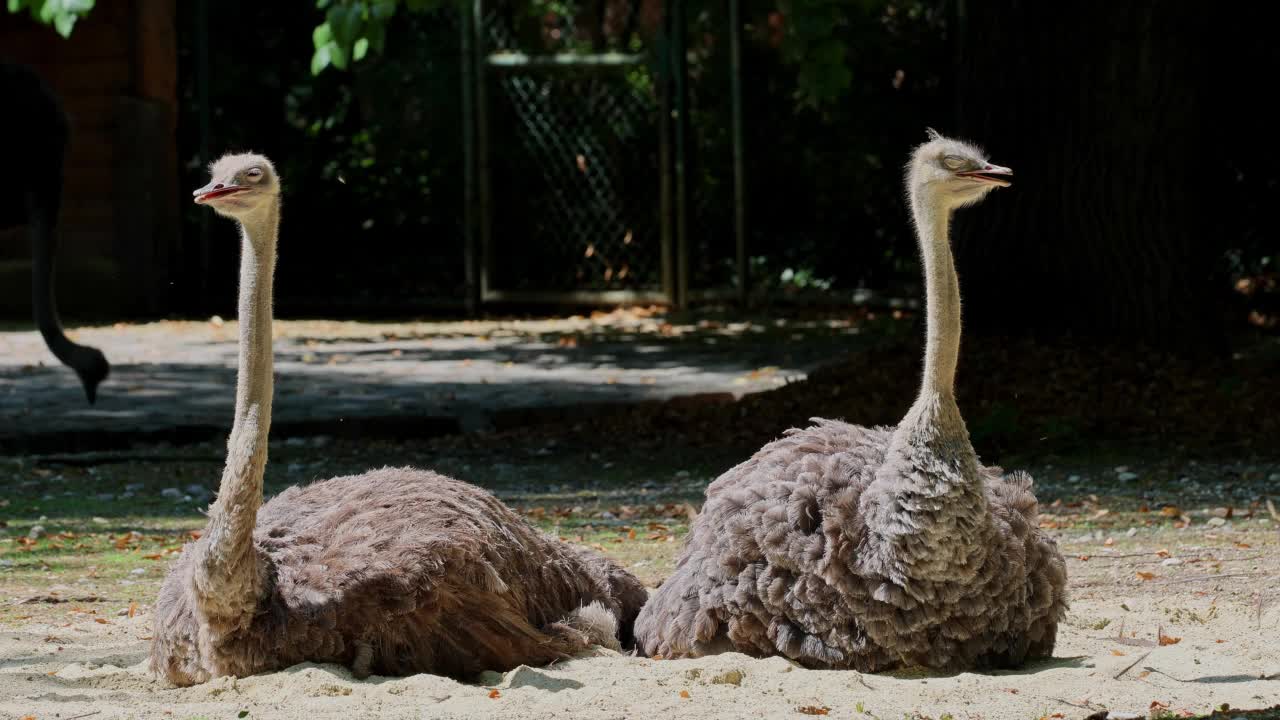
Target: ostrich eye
(953,162)
(254,174)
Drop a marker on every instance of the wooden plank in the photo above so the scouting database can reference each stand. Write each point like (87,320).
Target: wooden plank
(90,112)
(95,77)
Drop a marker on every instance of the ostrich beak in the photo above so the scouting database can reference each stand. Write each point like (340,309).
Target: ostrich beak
(994,174)
(213,192)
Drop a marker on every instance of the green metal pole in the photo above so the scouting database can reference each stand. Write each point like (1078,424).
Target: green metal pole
(469,162)
(204,122)
(739,178)
(479,61)
(680,76)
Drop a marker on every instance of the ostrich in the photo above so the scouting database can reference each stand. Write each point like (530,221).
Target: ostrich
(395,571)
(31,194)
(841,546)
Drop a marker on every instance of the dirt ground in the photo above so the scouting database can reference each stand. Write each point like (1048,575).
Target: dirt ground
(1174,570)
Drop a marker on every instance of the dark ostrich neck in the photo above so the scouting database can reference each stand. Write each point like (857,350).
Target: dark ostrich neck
(227,573)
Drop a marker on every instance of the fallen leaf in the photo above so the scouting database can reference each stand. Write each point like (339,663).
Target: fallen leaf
(494,694)
(1170,511)
(1145,576)
(1109,542)
(1118,653)
(133,609)
(684,694)
(102,621)
(152,556)
(813,710)
(1167,640)
(1162,553)
(1243,545)
(631,534)
(1084,558)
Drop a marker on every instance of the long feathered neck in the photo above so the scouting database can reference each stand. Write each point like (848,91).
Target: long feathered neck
(227,576)
(942,296)
(926,513)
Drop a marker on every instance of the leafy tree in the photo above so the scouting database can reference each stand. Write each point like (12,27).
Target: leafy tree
(809,36)
(61,14)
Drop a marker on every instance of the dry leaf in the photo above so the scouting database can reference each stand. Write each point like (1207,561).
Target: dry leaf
(1170,511)
(1145,576)
(813,710)
(152,556)
(1118,653)
(1162,553)
(494,694)
(684,694)
(1167,640)
(102,621)
(133,609)
(1243,545)
(1109,542)
(631,534)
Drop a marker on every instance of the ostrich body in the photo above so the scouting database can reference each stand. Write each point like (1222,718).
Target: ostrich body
(31,195)
(393,572)
(873,548)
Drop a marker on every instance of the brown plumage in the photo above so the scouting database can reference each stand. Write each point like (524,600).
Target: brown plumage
(873,548)
(395,571)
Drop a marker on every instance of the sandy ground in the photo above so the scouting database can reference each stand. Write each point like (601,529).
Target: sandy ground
(1215,606)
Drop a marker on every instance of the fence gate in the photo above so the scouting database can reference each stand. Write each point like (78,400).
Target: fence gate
(570,150)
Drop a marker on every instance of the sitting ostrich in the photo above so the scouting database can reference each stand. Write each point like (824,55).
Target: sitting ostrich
(841,546)
(396,571)
(31,194)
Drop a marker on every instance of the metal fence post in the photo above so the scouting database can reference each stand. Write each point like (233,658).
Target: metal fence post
(470,249)
(680,76)
(739,179)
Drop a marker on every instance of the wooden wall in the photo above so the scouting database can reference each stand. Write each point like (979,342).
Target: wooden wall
(117,77)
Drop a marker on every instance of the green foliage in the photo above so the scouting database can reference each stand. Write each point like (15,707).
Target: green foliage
(61,14)
(352,28)
(809,35)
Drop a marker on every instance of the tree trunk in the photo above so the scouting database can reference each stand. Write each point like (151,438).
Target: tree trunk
(1098,108)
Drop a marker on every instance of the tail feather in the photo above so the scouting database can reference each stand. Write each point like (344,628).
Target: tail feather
(596,625)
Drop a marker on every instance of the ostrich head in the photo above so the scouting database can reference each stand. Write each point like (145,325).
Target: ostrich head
(952,173)
(240,185)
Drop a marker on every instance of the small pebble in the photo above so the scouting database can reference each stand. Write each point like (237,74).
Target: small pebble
(1132,532)
(99,520)
(1217,521)
(171,493)
(138,571)
(36,532)
(1170,562)
(105,497)
(134,487)
(1127,476)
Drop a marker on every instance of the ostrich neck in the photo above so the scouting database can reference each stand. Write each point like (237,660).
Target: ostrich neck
(227,574)
(942,299)
(927,514)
